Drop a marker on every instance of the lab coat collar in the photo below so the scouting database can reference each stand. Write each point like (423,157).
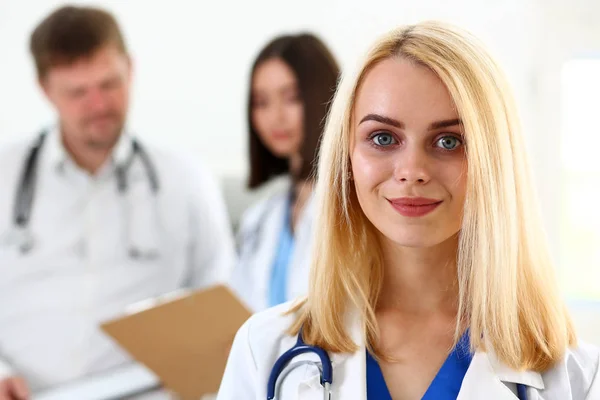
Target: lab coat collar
(350,369)
(57,156)
(509,375)
(487,377)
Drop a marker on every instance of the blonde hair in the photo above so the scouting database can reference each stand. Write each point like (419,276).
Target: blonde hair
(508,295)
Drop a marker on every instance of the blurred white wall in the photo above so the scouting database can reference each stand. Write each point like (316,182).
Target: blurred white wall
(192,60)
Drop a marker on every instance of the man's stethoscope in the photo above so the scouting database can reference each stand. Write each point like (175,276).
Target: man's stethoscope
(325,368)
(21,235)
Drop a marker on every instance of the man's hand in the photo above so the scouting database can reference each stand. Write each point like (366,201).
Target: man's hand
(13,388)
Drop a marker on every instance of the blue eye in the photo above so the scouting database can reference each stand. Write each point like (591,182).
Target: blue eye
(383,139)
(448,142)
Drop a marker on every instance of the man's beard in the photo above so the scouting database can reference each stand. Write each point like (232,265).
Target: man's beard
(104,140)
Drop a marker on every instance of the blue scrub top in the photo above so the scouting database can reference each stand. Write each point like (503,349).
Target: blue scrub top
(445,385)
(279,271)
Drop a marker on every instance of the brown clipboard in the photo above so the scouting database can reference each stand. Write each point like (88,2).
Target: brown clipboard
(185,341)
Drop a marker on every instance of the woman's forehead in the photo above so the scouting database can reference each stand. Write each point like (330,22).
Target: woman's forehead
(401,89)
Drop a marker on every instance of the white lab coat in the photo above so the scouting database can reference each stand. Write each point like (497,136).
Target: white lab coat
(262,339)
(258,238)
(79,273)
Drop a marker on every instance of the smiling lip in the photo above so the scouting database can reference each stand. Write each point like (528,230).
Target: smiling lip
(414,206)
(281,135)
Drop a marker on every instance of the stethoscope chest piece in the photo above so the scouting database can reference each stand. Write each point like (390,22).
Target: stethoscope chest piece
(19,238)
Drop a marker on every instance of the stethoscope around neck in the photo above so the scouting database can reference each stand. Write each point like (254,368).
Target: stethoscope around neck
(20,234)
(279,371)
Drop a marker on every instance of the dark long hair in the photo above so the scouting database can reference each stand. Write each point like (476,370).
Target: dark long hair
(317,73)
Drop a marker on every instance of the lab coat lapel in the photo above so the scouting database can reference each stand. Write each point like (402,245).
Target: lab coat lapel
(487,378)
(349,370)
(262,262)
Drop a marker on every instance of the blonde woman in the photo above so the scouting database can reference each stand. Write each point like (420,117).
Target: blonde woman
(430,279)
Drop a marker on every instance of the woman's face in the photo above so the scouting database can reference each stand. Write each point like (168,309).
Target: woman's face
(408,154)
(277,110)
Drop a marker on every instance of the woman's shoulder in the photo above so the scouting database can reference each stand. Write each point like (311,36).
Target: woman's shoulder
(580,368)
(256,347)
(267,331)
(271,324)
